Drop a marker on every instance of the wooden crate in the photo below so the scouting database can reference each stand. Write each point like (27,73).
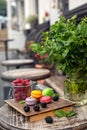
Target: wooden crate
(48,111)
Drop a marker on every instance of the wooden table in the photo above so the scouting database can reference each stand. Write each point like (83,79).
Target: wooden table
(17,62)
(28,73)
(5,41)
(10,119)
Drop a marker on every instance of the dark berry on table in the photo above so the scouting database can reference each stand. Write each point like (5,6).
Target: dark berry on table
(36,108)
(49,119)
(43,104)
(26,108)
(55,98)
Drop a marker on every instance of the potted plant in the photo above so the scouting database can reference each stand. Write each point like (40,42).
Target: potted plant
(32,20)
(66,45)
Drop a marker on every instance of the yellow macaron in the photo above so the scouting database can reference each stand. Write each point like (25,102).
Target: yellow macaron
(36,93)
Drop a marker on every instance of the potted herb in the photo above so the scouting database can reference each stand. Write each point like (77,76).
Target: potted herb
(66,45)
(40,62)
(32,20)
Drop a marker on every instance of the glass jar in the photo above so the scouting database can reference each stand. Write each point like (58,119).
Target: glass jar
(35,85)
(21,92)
(75,89)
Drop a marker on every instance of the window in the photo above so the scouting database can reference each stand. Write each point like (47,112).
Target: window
(63,5)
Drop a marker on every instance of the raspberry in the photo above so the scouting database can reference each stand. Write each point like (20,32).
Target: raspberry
(49,119)
(23,97)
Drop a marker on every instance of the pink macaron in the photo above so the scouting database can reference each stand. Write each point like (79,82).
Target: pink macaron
(46,99)
(30,101)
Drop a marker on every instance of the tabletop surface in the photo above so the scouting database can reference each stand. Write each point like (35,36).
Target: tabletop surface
(16,62)
(10,119)
(25,73)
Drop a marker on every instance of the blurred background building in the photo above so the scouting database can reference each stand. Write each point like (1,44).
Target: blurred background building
(19,11)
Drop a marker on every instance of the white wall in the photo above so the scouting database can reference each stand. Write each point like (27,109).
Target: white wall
(18,36)
(75,3)
(55,12)
(32,7)
(19,39)
(44,5)
(29,9)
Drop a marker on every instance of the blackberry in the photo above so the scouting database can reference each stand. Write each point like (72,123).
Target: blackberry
(49,119)
(55,98)
(43,104)
(36,108)
(26,108)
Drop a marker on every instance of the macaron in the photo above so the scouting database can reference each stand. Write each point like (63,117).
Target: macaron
(48,92)
(30,101)
(46,99)
(36,93)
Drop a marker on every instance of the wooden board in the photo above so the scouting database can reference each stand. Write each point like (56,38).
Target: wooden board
(50,113)
(61,103)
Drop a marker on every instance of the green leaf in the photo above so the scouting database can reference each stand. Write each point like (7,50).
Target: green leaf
(71,113)
(66,45)
(60,113)
(22,101)
(65,53)
(56,94)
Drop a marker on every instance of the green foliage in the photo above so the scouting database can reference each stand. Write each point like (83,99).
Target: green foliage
(31,18)
(66,45)
(61,113)
(3,7)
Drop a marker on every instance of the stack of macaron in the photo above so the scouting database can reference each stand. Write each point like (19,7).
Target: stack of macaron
(41,96)
(44,97)
(33,99)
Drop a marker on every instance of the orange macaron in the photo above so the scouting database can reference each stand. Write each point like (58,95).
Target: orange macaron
(36,93)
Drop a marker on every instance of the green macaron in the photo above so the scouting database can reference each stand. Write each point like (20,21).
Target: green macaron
(48,92)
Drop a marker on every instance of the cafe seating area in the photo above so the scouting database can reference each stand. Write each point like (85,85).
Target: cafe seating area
(7,67)
(20,75)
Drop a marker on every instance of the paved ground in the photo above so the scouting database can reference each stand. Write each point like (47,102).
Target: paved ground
(4,86)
